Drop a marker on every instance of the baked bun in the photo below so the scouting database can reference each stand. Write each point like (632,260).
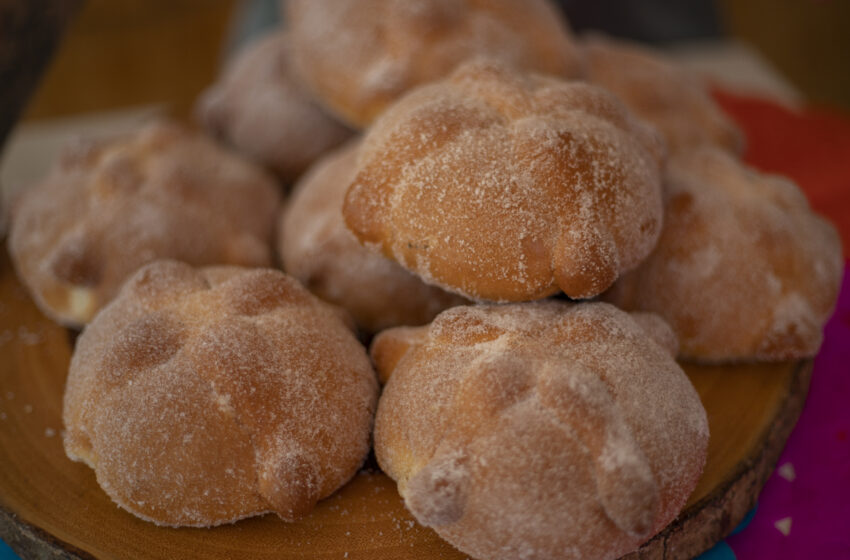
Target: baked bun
(317,249)
(539,430)
(259,108)
(505,186)
(200,397)
(662,92)
(743,270)
(360,55)
(108,207)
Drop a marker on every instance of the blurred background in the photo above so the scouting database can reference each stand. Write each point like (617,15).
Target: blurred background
(123,53)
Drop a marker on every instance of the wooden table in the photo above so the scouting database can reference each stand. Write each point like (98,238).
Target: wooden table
(50,505)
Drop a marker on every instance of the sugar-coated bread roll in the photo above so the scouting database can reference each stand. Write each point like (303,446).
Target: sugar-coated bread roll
(505,186)
(662,92)
(317,249)
(539,430)
(259,108)
(360,55)
(110,206)
(744,269)
(200,397)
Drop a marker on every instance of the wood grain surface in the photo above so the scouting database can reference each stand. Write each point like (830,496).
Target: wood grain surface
(51,507)
(127,53)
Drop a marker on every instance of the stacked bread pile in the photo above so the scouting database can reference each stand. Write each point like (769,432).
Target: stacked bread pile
(500,161)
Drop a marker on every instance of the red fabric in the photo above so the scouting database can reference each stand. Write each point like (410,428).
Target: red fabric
(811,146)
(805,511)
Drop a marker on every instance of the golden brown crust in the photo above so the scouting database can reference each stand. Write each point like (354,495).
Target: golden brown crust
(358,56)
(663,93)
(317,249)
(504,186)
(390,346)
(259,108)
(200,397)
(538,430)
(110,206)
(744,269)
(658,330)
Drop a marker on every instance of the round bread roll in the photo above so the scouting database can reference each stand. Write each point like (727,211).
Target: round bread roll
(201,397)
(317,249)
(505,186)
(743,270)
(661,92)
(539,430)
(360,55)
(110,206)
(260,109)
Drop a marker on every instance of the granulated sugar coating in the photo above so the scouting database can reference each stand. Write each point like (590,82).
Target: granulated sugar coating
(260,109)
(665,94)
(539,430)
(358,56)
(317,249)
(201,397)
(744,270)
(111,206)
(504,186)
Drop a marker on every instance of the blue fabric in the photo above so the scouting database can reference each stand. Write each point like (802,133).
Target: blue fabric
(746,521)
(7,553)
(721,551)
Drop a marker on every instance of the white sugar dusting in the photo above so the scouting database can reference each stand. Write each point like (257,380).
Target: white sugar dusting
(318,249)
(359,56)
(201,397)
(528,185)
(663,93)
(28,337)
(160,192)
(549,404)
(259,107)
(735,240)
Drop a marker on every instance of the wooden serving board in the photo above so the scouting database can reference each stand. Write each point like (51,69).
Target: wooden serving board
(52,507)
